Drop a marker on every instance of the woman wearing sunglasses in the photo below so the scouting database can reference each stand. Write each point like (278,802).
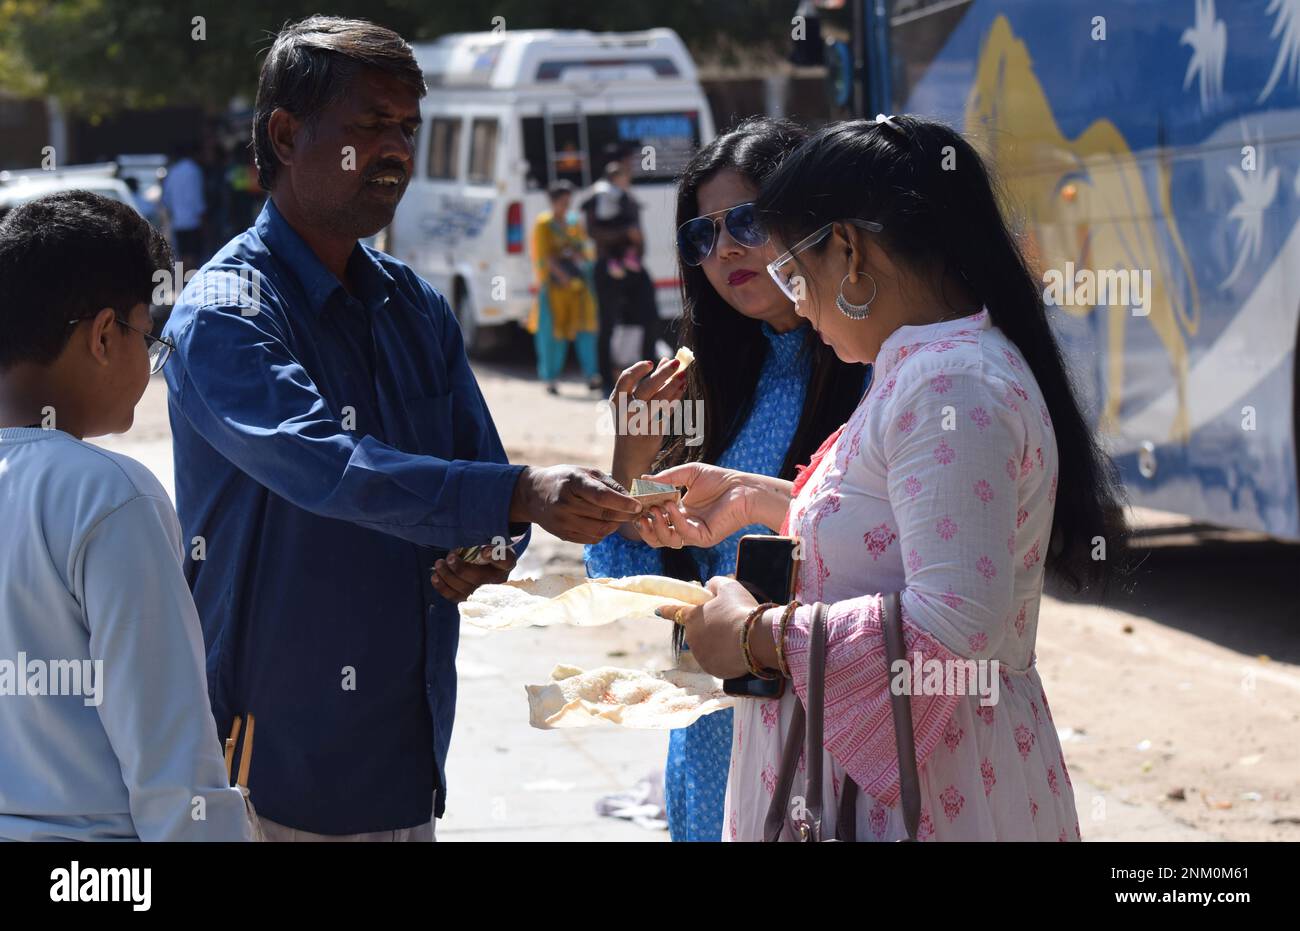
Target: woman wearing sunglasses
(942,486)
(769,390)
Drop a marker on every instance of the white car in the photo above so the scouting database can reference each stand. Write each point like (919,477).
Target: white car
(20,187)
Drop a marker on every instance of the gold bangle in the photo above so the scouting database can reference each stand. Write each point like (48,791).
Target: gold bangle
(781,662)
(745,629)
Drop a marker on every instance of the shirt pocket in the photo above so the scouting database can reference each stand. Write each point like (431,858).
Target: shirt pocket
(431,423)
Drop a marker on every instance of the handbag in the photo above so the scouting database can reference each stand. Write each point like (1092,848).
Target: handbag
(809,722)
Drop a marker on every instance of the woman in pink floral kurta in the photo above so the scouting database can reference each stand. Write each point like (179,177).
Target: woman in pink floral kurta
(957,521)
(942,486)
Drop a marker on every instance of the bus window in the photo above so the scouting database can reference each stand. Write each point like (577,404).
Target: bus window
(483,151)
(672,139)
(444,148)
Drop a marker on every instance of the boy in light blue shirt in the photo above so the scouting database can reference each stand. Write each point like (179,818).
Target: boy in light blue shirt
(104,714)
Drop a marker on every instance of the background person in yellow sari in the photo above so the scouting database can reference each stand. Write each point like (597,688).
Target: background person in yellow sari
(565,309)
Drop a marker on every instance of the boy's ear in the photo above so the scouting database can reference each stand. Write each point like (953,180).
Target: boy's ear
(103,327)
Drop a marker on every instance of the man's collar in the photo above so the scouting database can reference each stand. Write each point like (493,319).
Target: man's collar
(371,278)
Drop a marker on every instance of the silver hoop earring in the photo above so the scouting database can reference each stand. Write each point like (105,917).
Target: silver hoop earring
(851,310)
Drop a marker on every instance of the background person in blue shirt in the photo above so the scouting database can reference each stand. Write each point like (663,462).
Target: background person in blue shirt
(182,196)
(331,446)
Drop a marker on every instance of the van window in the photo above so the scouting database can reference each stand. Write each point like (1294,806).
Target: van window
(553,69)
(567,161)
(483,151)
(674,136)
(444,148)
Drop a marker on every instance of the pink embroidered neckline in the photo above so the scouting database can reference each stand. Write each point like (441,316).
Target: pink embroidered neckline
(805,472)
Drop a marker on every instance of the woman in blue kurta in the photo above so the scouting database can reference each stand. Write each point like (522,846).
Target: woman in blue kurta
(767,391)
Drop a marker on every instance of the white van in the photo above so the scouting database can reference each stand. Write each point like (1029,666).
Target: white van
(509,112)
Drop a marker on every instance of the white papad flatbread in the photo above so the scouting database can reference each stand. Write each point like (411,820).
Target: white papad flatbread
(575,600)
(624,697)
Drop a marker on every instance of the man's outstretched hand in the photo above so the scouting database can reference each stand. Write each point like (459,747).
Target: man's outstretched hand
(576,504)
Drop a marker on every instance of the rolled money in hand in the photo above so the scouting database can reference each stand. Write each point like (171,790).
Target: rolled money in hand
(649,493)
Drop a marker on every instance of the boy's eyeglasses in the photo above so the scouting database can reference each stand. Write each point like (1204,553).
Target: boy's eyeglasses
(783,269)
(160,347)
(696,238)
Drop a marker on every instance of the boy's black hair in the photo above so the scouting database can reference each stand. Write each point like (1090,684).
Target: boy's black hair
(67,256)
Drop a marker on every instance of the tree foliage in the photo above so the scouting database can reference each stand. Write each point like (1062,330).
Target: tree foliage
(97,56)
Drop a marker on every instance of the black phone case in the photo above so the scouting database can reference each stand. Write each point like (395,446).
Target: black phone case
(750,686)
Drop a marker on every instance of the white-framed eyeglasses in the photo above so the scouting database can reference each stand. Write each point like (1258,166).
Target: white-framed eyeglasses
(783,269)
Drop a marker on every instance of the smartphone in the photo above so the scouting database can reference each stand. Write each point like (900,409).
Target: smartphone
(766,566)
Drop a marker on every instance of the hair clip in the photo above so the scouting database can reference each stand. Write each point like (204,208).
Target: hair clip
(888,120)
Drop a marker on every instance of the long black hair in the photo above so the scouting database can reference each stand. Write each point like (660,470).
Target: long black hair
(730,347)
(940,208)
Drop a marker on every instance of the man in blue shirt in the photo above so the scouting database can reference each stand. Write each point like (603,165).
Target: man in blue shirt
(331,447)
(182,195)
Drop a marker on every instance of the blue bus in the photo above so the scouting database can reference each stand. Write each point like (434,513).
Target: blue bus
(1157,139)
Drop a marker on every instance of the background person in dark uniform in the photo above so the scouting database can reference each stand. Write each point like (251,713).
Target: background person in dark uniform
(624,289)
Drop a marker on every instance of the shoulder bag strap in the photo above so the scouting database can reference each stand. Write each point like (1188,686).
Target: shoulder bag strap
(908,777)
(774,825)
(811,830)
(809,827)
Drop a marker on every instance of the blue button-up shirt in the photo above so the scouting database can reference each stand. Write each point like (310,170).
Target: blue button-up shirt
(329,448)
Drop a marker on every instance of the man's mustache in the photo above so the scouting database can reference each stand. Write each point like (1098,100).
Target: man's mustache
(393,167)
